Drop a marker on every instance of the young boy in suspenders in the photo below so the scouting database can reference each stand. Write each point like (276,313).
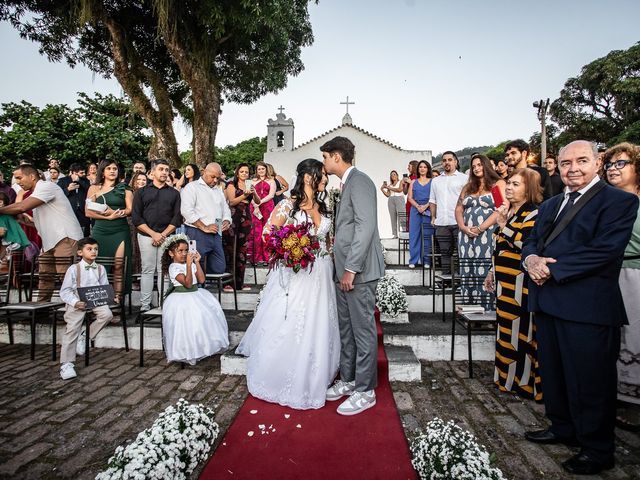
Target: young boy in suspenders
(85,273)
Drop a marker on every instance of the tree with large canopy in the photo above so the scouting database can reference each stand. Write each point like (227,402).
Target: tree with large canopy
(101,127)
(174,58)
(602,104)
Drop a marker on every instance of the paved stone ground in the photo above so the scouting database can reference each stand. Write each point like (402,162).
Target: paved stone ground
(51,429)
(498,420)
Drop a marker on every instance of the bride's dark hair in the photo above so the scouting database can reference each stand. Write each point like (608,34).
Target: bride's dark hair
(314,168)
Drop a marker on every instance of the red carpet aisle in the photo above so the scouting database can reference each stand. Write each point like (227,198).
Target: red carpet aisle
(267,441)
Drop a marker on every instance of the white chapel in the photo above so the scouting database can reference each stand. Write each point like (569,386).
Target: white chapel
(374,155)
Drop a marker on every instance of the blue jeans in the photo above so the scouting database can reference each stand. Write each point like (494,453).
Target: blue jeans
(416,223)
(209,246)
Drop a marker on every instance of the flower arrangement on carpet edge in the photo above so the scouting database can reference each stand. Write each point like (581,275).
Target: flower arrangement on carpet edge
(179,439)
(293,246)
(446,451)
(391,298)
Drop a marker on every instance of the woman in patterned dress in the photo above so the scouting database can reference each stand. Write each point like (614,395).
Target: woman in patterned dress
(239,198)
(516,362)
(622,166)
(476,218)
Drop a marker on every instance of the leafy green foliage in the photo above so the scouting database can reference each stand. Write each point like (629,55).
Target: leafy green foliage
(249,151)
(602,104)
(101,127)
(174,58)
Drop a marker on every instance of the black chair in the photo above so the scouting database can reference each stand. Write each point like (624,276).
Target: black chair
(473,307)
(403,236)
(426,234)
(115,268)
(149,314)
(226,278)
(45,269)
(439,280)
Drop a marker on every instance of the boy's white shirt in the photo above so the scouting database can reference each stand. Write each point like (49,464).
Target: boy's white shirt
(88,278)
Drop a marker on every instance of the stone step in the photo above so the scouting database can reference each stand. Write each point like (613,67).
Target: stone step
(404,366)
(425,333)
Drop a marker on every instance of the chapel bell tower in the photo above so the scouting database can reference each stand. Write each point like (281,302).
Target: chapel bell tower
(280,133)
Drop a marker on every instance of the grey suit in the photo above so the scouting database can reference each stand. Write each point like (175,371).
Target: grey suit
(357,248)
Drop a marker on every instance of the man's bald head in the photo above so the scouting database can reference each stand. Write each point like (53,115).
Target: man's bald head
(212,173)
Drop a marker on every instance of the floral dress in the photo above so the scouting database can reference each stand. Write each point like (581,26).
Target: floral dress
(241,228)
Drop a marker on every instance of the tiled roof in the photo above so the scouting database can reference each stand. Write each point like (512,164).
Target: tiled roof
(375,137)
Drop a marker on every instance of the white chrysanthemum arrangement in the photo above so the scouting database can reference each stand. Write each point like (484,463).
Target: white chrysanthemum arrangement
(446,451)
(391,298)
(179,439)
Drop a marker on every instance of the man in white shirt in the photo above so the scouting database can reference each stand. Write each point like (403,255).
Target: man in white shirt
(206,215)
(55,164)
(445,191)
(55,221)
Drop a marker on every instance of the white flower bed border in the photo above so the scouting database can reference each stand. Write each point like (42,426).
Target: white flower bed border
(446,451)
(179,439)
(391,298)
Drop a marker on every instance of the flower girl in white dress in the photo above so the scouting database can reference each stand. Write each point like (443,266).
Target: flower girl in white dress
(293,342)
(193,323)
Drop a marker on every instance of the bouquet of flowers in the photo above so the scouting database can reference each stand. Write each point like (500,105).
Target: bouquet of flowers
(391,298)
(445,450)
(179,439)
(293,246)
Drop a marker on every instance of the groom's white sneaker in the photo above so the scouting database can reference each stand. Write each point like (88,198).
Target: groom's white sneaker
(357,403)
(339,389)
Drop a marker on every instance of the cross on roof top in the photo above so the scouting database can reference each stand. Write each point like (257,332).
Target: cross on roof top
(347,103)
(281,108)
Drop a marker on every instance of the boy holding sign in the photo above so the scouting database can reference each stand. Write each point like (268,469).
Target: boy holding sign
(85,273)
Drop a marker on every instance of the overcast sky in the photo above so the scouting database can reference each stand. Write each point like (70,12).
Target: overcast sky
(424,74)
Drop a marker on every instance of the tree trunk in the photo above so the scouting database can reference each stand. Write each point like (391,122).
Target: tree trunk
(205,94)
(206,111)
(132,74)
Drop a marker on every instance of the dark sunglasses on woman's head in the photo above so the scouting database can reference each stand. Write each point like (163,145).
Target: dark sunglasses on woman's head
(619,164)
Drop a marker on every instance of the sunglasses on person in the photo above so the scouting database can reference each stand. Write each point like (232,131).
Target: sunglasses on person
(619,164)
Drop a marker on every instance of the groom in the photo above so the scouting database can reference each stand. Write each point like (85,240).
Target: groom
(358,266)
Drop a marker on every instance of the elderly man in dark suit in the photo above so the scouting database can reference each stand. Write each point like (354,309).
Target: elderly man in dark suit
(573,256)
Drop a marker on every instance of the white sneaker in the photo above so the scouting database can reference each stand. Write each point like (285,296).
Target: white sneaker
(67,371)
(339,389)
(357,403)
(81,346)
(412,266)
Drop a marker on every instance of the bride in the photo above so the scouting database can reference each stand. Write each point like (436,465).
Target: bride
(293,342)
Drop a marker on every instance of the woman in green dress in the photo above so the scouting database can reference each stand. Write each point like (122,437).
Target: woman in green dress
(111,228)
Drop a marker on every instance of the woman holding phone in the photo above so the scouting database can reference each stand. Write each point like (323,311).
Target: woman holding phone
(239,194)
(395,195)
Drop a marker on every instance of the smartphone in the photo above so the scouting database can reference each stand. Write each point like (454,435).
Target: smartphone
(219,223)
(192,246)
(405,175)
(497,196)
(247,185)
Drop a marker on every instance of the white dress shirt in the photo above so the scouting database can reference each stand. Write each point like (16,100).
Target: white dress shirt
(201,202)
(88,278)
(346,173)
(54,219)
(445,191)
(582,191)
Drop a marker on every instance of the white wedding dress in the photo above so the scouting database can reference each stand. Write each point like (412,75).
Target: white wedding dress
(293,342)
